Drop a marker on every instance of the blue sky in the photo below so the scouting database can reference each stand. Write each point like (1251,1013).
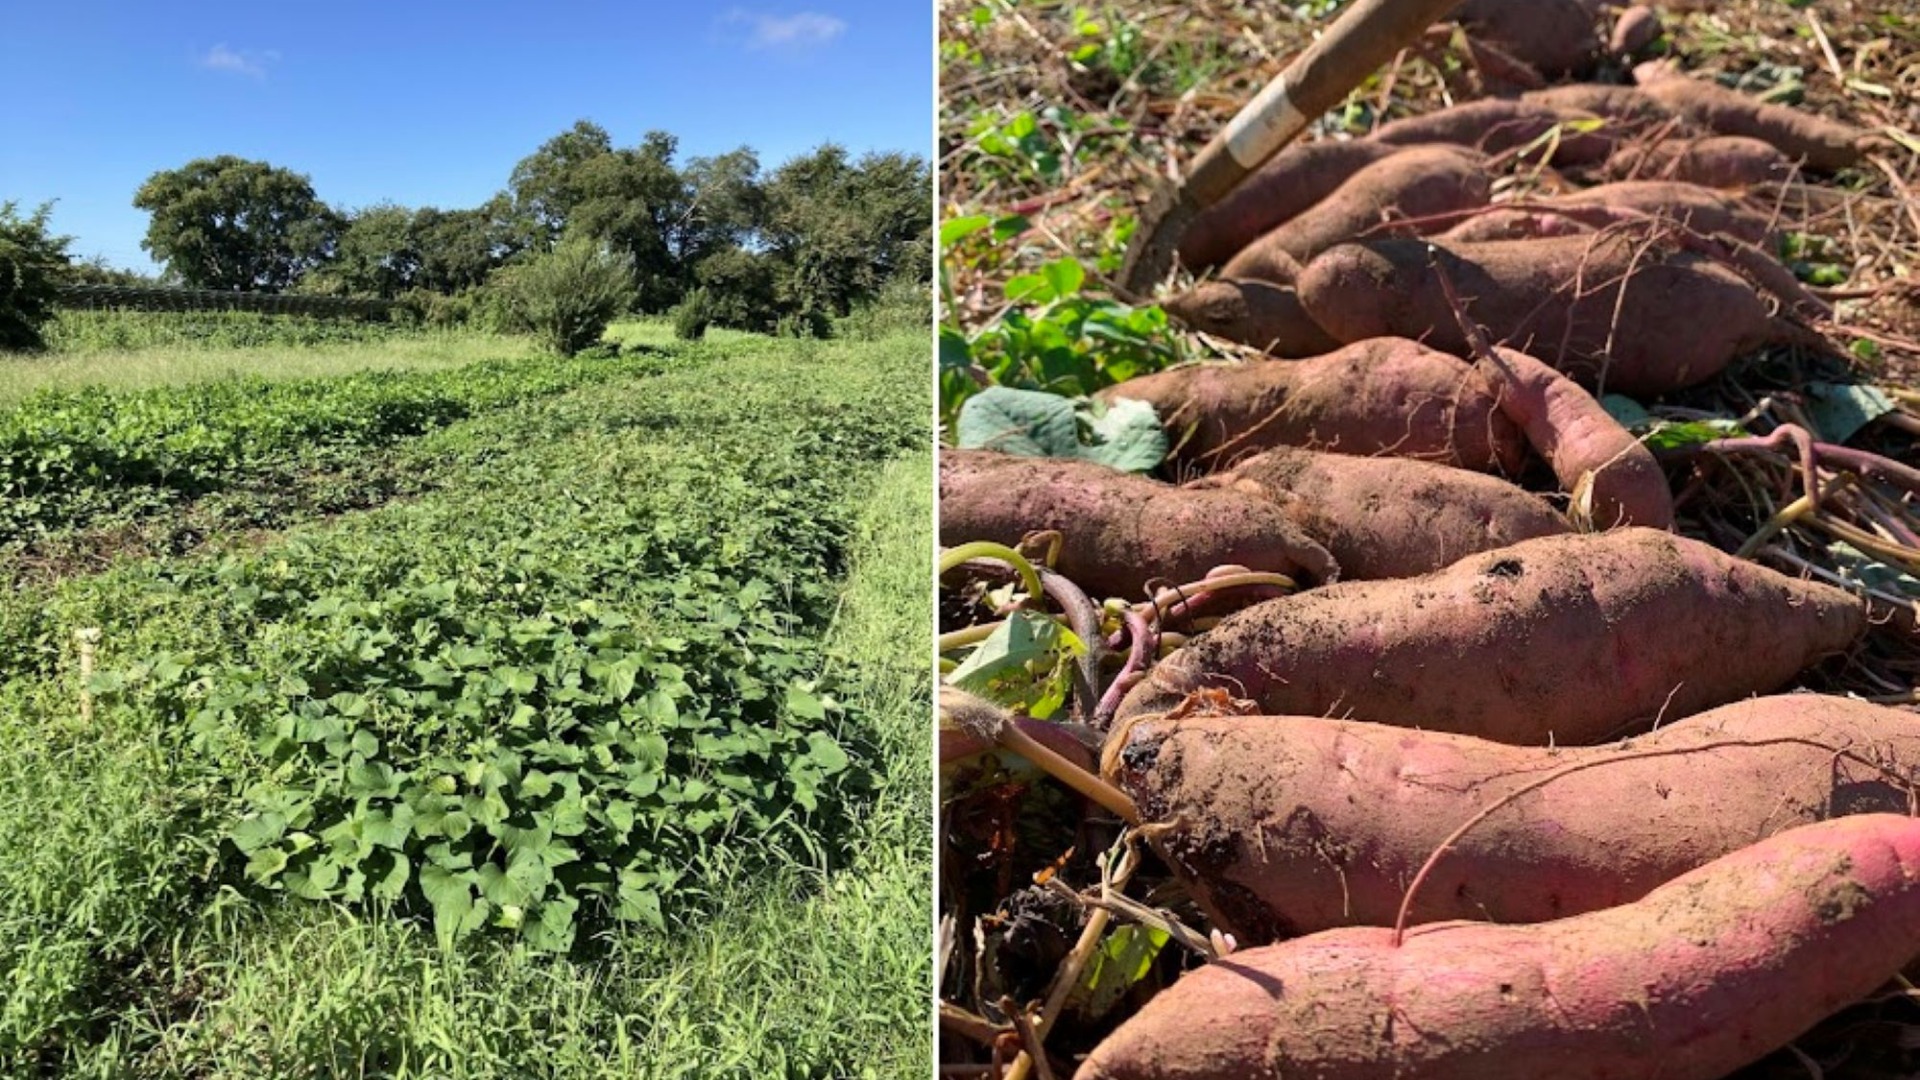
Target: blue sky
(430,103)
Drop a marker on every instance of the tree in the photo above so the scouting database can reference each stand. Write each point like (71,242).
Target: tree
(841,229)
(377,253)
(737,288)
(33,264)
(229,223)
(545,185)
(459,248)
(579,184)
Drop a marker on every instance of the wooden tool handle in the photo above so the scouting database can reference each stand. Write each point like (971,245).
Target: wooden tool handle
(1364,37)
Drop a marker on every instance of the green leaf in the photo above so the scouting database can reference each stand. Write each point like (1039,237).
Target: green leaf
(1122,960)
(805,704)
(266,864)
(1064,277)
(954,230)
(452,898)
(1025,638)
(1126,436)
(1030,423)
(823,751)
(253,833)
(1840,410)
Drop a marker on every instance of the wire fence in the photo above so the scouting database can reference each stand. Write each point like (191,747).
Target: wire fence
(151,298)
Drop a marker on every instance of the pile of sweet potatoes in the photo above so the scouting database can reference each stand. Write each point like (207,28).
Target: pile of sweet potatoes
(1336,242)
(1516,780)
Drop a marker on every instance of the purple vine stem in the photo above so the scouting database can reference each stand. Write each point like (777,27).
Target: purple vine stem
(1146,642)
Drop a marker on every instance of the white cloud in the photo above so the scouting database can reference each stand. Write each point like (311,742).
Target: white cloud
(249,62)
(799,31)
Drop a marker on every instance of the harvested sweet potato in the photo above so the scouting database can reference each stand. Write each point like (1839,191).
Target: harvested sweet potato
(1613,478)
(1557,298)
(1620,105)
(1721,161)
(1825,144)
(1384,517)
(1515,645)
(1496,125)
(1554,37)
(1513,223)
(1284,826)
(1412,185)
(1118,530)
(1637,28)
(1701,209)
(1384,396)
(1701,976)
(1262,314)
(1292,181)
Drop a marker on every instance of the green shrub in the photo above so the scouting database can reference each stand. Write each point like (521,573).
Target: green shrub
(33,262)
(695,313)
(567,296)
(902,305)
(806,324)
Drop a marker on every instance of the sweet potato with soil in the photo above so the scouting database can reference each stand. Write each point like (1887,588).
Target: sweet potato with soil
(1118,530)
(1385,396)
(1637,28)
(1513,223)
(1720,161)
(1613,478)
(1571,639)
(1283,826)
(1257,313)
(1825,144)
(1291,182)
(1701,209)
(1412,185)
(1554,37)
(1383,517)
(1701,976)
(1494,125)
(1557,298)
(1621,105)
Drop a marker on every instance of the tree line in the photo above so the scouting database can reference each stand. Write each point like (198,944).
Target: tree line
(716,239)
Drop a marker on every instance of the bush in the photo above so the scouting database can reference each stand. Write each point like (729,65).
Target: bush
(902,305)
(33,264)
(691,318)
(567,296)
(805,324)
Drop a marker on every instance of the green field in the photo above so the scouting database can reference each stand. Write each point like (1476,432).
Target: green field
(460,711)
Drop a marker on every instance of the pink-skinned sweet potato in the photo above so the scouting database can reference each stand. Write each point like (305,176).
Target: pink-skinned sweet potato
(1283,826)
(1554,37)
(1411,186)
(1824,143)
(1619,105)
(1291,182)
(1613,479)
(1707,973)
(1635,31)
(1262,314)
(1118,530)
(1719,161)
(1385,517)
(1556,298)
(1569,640)
(1496,125)
(1384,396)
(1514,223)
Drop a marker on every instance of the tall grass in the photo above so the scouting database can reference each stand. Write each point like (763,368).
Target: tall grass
(137,350)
